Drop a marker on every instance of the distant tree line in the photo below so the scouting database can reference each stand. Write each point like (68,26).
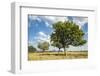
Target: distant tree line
(31,49)
(43,46)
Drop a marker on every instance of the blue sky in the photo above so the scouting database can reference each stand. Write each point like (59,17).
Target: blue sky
(40,28)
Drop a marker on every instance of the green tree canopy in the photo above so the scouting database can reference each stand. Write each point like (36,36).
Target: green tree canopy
(44,46)
(57,44)
(67,33)
(31,49)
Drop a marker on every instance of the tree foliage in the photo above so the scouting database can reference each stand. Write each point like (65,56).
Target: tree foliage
(44,46)
(67,33)
(31,49)
(57,44)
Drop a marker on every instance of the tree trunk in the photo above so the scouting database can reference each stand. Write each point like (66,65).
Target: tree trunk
(43,50)
(64,51)
(59,49)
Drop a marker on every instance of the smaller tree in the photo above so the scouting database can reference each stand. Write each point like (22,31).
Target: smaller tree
(44,46)
(31,49)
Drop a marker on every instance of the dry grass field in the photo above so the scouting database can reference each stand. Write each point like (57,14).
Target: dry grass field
(57,55)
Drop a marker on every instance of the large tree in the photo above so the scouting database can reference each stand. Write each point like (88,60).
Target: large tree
(57,44)
(44,46)
(67,33)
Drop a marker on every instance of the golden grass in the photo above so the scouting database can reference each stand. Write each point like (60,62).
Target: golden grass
(57,55)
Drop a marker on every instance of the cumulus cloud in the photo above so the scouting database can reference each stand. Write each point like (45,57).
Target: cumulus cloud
(49,20)
(42,34)
(78,48)
(54,19)
(48,24)
(41,37)
(35,18)
(80,21)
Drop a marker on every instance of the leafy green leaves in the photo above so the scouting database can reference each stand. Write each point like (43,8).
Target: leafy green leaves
(31,49)
(67,33)
(44,46)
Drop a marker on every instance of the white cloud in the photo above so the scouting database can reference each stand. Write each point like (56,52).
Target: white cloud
(42,34)
(62,19)
(44,39)
(41,37)
(49,20)
(35,18)
(78,48)
(80,21)
(33,43)
(48,24)
(54,19)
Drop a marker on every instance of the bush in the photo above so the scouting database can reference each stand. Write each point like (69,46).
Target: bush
(31,49)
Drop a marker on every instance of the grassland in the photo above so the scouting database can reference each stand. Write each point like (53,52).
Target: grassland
(57,55)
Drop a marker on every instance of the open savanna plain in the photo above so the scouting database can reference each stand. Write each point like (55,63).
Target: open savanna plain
(57,55)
